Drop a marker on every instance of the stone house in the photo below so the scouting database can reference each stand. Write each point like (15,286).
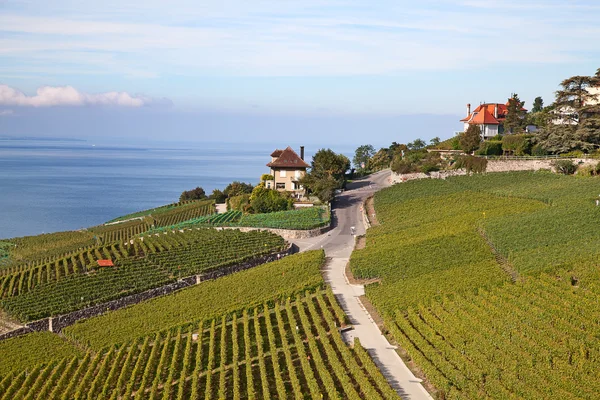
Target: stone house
(287,167)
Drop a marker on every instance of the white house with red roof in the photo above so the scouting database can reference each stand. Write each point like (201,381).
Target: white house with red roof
(489,117)
(287,167)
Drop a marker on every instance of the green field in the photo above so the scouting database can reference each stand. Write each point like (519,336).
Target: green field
(232,338)
(491,282)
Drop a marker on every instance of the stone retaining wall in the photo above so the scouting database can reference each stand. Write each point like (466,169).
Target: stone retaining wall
(288,234)
(58,323)
(492,166)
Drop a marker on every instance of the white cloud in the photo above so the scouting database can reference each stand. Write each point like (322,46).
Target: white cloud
(48,96)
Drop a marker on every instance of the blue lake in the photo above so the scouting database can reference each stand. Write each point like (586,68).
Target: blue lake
(49,186)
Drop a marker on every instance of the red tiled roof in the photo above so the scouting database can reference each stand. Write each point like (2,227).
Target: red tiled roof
(276,153)
(489,108)
(288,158)
(484,117)
(105,263)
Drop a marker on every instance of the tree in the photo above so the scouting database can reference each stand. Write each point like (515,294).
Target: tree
(326,174)
(574,122)
(218,196)
(237,188)
(194,194)
(417,144)
(435,141)
(396,148)
(515,117)
(470,140)
(362,155)
(538,105)
(380,160)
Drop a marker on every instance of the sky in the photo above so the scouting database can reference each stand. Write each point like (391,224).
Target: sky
(267,70)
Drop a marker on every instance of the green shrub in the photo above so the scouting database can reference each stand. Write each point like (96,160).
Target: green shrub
(265,200)
(401,166)
(566,167)
(538,151)
(238,202)
(573,154)
(519,145)
(490,148)
(472,164)
(586,170)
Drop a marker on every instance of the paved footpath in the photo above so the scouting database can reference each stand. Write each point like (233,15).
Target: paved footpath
(338,244)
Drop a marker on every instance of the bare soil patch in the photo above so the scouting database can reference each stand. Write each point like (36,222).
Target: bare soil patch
(8,324)
(370,210)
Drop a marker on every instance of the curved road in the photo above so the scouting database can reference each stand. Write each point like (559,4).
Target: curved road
(338,244)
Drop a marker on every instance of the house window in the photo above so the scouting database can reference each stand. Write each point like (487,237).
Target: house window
(280,185)
(297,186)
(298,174)
(282,173)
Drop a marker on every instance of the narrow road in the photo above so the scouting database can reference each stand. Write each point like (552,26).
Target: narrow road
(338,244)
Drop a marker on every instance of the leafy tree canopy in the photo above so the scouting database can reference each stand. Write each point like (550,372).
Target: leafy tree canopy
(237,188)
(326,174)
(435,141)
(380,160)
(574,122)
(194,194)
(218,196)
(417,144)
(362,155)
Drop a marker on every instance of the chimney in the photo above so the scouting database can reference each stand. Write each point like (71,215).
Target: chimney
(496,111)
(302,152)
(468,109)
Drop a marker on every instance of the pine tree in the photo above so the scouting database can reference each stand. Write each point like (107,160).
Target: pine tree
(538,105)
(515,118)
(576,114)
(470,139)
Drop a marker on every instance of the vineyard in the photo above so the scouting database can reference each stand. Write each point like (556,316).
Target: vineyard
(490,283)
(299,219)
(169,208)
(268,282)
(289,349)
(302,218)
(76,282)
(27,351)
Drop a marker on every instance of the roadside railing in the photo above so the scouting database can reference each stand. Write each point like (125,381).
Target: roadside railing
(548,157)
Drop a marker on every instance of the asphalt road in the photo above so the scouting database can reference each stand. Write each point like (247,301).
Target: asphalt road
(338,244)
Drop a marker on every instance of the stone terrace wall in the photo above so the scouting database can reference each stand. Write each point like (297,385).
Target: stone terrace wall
(287,234)
(493,166)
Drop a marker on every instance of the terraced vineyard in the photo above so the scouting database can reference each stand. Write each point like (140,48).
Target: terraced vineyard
(283,343)
(289,350)
(300,219)
(70,284)
(491,283)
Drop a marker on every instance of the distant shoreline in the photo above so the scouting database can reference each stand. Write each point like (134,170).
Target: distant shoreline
(46,139)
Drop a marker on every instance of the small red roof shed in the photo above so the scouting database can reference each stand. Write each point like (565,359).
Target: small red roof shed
(105,263)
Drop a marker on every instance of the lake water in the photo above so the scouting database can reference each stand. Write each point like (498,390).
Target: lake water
(49,186)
